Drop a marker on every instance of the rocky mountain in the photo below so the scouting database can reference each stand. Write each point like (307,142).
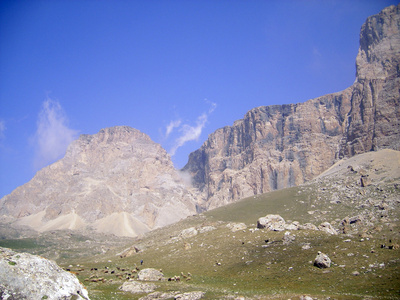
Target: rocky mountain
(119,181)
(280,146)
(116,181)
(334,237)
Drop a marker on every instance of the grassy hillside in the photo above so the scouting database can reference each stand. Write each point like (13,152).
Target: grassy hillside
(253,263)
(258,264)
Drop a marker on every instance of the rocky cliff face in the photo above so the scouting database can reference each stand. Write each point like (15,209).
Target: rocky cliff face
(116,181)
(373,121)
(281,146)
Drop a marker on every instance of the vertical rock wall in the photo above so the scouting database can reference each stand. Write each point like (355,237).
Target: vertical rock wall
(279,146)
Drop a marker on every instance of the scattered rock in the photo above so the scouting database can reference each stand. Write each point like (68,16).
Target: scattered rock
(206,229)
(129,252)
(190,296)
(159,296)
(136,287)
(236,226)
(188,233)
(308,226)
(327,227)
(293,226)
(271,222)
(187,246)
(322,261)
(355,273)
(150,274)
(288,238)
(26,276)
(365,181)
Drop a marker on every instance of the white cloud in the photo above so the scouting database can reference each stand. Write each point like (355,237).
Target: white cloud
(171,126)
(2,129)
(192,133)
(52,135)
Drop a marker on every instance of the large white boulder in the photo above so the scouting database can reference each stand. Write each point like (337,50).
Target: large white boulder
(27,276)
(271,222)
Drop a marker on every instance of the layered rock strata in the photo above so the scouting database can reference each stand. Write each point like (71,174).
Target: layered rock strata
(279,146)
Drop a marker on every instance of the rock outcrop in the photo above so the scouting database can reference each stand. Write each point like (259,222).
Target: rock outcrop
(322,261)
(280,146)
(150,274)
(116,181)
(26,276)
(136,287)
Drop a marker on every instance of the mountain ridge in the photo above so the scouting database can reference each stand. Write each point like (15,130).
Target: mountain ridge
(274,147)
(119,181)
(116,181)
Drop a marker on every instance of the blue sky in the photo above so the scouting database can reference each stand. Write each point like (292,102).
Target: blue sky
(176,70)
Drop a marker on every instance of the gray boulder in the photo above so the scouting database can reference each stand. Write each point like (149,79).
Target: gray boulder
(236,226)
(322,261)
(27,276)
(159,296)
(188,233)
(288,238)
(150,274)
(190,296)
(327,227)
(271,222)
(136,287)
(308,226)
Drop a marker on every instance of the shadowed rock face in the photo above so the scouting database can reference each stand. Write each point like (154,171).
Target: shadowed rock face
(279,146)
(117,181)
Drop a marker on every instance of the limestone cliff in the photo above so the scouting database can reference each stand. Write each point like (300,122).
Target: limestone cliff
(280,146)
(374,119)
(116,181)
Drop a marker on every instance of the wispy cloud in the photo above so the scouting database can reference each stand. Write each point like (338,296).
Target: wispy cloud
(171,126)
(52,135)
(2,129)
(192,133)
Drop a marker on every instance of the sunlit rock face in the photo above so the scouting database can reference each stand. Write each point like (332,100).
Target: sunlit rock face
(373,122)
(279,146)
(119,181)
(116,181)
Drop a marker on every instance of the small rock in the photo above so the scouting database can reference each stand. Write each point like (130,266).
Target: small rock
(188,233)
(322,260)
(206,229)
(288,238)
(327,227)
(271,222)
(136,287)
(308,226)
(150,274)
(305,297)
(190,296)
(236,226)
(159,296)
(355,273)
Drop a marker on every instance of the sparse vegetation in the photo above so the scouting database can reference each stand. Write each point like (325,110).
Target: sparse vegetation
(254,263)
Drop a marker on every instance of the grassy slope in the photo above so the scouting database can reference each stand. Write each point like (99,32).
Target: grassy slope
(252,268)
(232,264)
